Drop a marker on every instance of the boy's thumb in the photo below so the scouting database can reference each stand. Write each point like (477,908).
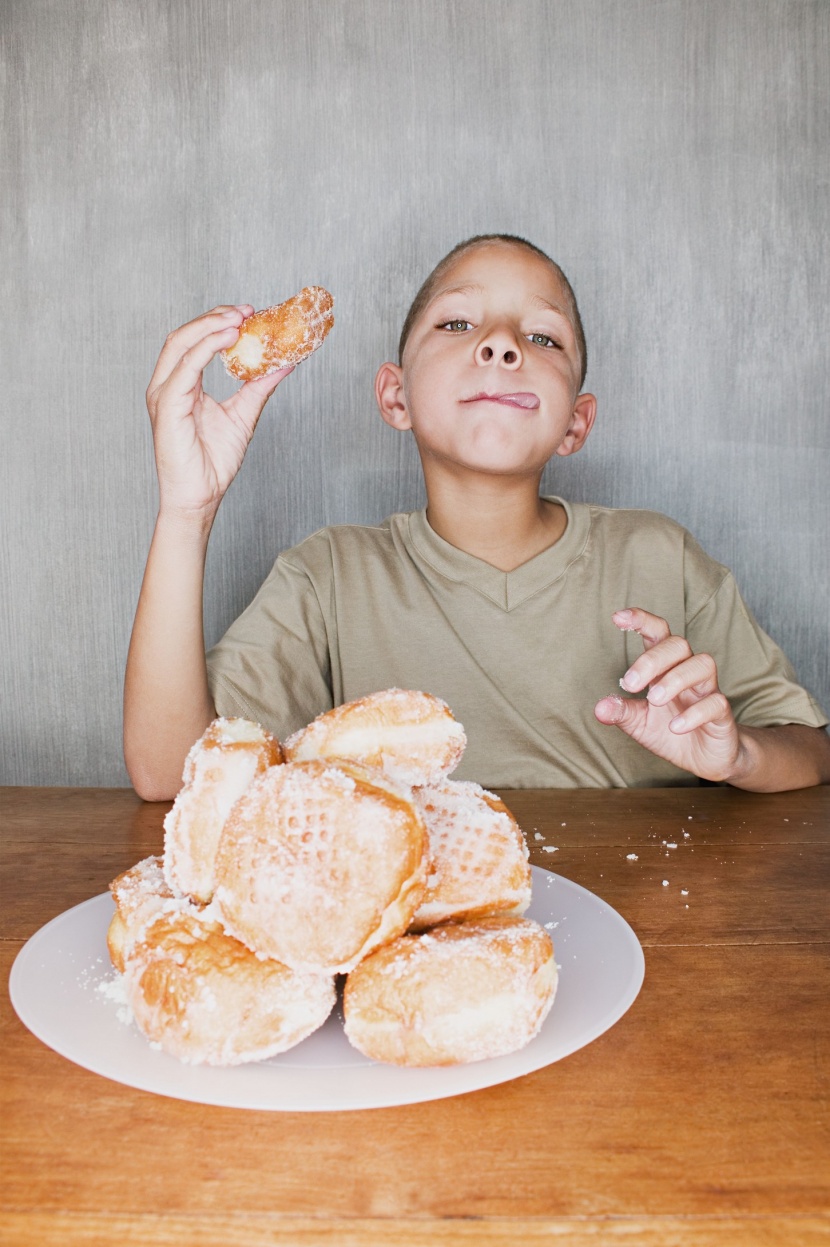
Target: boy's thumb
(620,712)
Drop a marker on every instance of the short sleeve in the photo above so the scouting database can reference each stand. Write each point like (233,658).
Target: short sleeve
(272,665)
(753,671)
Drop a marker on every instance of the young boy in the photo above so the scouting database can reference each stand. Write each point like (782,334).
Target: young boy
(525,613)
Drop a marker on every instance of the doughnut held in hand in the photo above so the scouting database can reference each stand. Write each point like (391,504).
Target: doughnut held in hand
(412,736)
(466,991)
(282,335)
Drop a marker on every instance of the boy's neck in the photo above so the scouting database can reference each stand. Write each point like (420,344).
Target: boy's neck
(500,524)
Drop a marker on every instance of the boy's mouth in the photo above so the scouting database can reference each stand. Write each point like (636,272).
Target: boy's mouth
(527,401)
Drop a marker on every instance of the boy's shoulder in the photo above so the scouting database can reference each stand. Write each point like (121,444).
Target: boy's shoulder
(629,520)
(336,541)
(655,544)
(636,525)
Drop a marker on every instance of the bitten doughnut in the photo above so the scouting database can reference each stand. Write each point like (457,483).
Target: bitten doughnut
(218,769)
(479,856)
(318,863)
(206,999)
(281,335)
(412,736)
(141,895)
(462,992)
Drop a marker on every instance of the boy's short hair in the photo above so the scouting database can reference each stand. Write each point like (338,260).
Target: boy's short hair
(425,293)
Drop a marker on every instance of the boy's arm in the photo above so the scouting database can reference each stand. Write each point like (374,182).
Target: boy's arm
(199,447)
(687,720)
(167,703)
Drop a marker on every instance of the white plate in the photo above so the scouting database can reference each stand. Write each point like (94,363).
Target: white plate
(56,977)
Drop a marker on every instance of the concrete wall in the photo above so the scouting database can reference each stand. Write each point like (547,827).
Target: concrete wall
(159,158)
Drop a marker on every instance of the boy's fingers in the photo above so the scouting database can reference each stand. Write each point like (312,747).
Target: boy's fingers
(186,337)
(250,398)
(698,675)
(621,712)
(655,662)
(263,387)
(713,712)
(650,627)
(186,376)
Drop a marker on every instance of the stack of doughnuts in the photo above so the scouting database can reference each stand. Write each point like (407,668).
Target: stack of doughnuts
(348,850)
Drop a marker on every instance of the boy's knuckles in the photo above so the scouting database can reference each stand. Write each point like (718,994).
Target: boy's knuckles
(676,649)
(707,666)
(720,705)
(653,626)
(664,656)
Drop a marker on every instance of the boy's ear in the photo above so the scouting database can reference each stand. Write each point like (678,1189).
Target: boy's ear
(582,420)
(390,396)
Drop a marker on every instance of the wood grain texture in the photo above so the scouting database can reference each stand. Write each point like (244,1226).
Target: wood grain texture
(161,158)
(266,1230)
(700,1117)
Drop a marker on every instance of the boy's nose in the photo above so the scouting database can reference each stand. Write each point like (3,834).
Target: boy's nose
(501,347)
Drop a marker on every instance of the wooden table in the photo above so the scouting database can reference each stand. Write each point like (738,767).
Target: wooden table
(701,1117)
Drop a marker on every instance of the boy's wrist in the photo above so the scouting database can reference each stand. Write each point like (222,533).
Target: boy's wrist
(746,761)
(183,523)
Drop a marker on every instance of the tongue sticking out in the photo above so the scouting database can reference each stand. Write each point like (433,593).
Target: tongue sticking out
(528,401)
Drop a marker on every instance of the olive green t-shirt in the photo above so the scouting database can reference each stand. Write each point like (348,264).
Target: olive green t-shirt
(520,657)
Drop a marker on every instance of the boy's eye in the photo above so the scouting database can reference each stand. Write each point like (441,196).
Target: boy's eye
(456,326)
(542,339)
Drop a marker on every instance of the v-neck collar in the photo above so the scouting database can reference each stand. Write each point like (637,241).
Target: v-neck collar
(506,590)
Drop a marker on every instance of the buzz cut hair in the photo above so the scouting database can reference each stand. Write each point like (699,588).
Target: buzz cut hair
(427,290)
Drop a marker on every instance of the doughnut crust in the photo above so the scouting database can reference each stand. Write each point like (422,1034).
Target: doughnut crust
(281,335)
(318,863)
(462,992)
(141,895)
(479,856)
(206,999)
(412,736)
(218,769)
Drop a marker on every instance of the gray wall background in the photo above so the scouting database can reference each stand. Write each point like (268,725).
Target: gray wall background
(161,157)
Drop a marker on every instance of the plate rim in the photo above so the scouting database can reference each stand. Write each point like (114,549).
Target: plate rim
(434,1082)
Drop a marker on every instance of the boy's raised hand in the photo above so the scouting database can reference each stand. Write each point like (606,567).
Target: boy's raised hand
(199,443)
(685,718)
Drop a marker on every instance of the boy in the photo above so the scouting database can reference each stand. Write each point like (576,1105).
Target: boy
(494,598)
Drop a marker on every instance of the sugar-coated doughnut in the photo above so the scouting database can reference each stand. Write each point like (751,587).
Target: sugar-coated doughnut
(218,769)
(207,999)
(141,895)
(462,992)
(410,735)
(479,856)
(319,862)
(281,335)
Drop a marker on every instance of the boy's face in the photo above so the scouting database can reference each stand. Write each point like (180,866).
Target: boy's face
(491,370)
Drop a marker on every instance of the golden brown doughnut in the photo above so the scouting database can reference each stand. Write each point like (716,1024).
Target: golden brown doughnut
(412,736)
(479,856)
(141,895)
(319,862)
(462,992)
(205,998)
(281,335)
(218,769)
